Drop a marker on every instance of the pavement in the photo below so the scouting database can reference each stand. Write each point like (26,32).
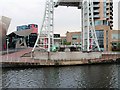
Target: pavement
(14,55)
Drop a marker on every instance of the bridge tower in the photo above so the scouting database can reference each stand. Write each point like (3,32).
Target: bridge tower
(45,39)
(89,38)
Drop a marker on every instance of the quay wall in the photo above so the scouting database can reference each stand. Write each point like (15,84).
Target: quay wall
(66,55)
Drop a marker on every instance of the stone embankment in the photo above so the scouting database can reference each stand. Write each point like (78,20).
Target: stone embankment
(21,59)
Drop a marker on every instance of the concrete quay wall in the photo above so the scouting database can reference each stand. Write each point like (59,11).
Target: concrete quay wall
(66,55)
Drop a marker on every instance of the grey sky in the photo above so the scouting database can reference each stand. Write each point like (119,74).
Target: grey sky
(31,11)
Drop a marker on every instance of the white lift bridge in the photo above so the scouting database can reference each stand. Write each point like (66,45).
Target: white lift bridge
(45,39)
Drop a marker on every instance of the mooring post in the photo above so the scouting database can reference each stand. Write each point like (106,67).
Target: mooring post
(48,55)
(32,54)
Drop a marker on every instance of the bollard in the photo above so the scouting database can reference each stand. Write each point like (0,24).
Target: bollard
(11,59)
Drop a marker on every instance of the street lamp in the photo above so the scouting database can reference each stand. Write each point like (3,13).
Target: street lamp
(7,47)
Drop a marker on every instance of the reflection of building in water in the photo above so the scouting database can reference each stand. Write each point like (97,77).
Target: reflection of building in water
(4,25)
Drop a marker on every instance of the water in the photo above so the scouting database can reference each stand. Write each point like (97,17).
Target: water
(89,76)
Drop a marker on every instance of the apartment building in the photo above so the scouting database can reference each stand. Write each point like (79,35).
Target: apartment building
(102,12)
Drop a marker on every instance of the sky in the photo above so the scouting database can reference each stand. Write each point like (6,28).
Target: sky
(23,12)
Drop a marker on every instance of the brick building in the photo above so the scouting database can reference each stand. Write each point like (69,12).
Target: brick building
(74,38)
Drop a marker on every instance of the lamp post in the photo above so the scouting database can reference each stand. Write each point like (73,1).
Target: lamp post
(7,47)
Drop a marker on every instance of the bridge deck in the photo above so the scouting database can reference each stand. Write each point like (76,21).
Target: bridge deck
(69,3)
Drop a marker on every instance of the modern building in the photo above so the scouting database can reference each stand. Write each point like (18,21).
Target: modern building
(4,25)
(74,38)
(115,39)
(25,36)
(102,12)
(119,15)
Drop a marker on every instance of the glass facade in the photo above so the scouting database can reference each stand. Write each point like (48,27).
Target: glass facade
(98,22)
(116,36)
(100,37)
(101,22)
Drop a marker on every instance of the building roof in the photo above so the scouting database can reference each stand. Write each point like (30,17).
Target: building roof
(23,32)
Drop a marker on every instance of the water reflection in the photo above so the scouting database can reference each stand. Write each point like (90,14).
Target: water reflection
(96,76)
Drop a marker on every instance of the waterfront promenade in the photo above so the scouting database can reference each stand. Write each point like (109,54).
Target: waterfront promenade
(22,58)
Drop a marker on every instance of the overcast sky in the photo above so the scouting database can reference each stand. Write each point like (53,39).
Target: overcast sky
(25,12)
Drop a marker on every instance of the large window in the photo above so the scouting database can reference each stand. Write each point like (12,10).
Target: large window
(100,37)
(75,37)
(116,36)
(98,22)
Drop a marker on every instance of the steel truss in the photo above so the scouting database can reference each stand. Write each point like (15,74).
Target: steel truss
(45,39)
(90,41)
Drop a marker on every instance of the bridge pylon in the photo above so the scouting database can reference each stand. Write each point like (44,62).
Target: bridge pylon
(45,39)
(89,37)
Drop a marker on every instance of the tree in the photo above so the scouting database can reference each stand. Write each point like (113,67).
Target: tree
(118,46)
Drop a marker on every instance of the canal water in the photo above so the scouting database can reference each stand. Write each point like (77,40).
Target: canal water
(86,76)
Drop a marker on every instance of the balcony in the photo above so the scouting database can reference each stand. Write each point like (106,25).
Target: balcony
(111,21)
(111,24)
(111,3)
(96,6)
(96,16)
(107,12)
(96,11)
(107,3)
(96,2)
(111,17)
(111,7)
(107,7)
(107,16)
(111,13)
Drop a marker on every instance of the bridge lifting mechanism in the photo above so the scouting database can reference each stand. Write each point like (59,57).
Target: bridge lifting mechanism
(45,39)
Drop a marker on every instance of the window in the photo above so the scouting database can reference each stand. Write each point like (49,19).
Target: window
(116,36)
(56,35)
(100,37)
(75,37)
(98,22)
(104,22)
